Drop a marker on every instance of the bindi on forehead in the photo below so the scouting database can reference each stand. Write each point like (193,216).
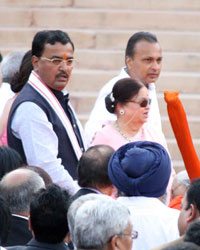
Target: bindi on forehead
(64,57)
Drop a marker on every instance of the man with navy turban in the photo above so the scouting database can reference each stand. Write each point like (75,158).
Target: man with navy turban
(141,171)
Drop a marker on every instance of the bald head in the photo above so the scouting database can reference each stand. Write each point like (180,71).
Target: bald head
(18,188)
(18,177)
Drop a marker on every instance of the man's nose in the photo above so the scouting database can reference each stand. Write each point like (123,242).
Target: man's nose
(155,65)
(64,66)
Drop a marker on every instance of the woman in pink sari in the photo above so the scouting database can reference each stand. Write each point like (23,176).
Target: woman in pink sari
(130,102)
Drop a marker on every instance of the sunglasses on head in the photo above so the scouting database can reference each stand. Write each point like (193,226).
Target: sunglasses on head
(143,103)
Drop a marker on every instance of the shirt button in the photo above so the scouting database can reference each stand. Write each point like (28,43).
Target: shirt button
(74,125)
(82,149)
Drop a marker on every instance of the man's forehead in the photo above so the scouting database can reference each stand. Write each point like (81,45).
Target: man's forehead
(58,49)
(147,48)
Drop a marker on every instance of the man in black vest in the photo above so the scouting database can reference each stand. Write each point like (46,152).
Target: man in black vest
(42,125)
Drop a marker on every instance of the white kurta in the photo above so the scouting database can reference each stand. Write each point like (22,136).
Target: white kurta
(155,222)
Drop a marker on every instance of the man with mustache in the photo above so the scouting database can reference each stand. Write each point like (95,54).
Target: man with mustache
(143,61)
(42,125)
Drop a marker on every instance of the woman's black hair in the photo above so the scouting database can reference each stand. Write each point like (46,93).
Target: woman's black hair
(123,90)
(20,78)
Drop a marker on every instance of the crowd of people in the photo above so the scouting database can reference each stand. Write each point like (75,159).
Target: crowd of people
(110,185)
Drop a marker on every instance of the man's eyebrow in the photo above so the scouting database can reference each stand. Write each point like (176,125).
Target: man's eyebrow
(59,57)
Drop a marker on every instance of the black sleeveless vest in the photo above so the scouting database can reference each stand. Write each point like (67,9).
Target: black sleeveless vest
(65,149)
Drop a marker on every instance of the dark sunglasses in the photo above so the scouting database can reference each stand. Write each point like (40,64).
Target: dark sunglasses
(143,103)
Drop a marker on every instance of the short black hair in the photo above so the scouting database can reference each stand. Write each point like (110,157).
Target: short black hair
(48,36)
(137,37)
(20,78)
(192,232)
(192,195)
(9,160)
(5,220)
(48,214)
(93,167)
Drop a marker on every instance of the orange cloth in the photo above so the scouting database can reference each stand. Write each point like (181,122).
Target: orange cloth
(181,130)
(176,202)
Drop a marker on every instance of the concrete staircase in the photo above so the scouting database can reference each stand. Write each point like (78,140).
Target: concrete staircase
(100,30)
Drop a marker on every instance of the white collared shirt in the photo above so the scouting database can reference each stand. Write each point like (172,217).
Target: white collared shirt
(40,143)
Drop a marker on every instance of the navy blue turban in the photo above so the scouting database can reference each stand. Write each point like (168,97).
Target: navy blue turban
(140,169)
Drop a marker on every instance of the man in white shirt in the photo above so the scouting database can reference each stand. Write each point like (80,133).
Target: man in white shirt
(141,171)
(42,125)
(9,66)
(143,59)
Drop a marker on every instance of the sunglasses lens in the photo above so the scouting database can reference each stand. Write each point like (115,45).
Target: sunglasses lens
(144,103)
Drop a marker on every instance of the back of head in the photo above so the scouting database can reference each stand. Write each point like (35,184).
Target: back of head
(48,214)
(18,188)
(183,178)
(123,90)
(140,169)
(97,221)
(21,77)
(5,220)
(10,65)
(193,232)
(74,206)
(48,36)
(192,195)
(182,246)
(42,173)
(137,37)
(1,57)
(180,184)
(93,167)
(9,160)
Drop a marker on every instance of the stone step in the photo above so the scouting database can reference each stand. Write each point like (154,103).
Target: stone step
(193,126)
(103,39)
(106,4)
(142,4)
(112,60)
(191,104)
(36,3)
(175,152)
(101,18)
(93,80)
(83,104)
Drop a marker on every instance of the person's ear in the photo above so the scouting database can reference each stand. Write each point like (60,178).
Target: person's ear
(129,62)
(115,243)
(29,223)
(35,61)
(194,213)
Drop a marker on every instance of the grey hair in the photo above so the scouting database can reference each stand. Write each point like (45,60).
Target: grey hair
(75,206)
(183,178)
(19,195)
(96,222)
(11,64)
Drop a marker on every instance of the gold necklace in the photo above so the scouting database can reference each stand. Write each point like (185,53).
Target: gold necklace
(121,132)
